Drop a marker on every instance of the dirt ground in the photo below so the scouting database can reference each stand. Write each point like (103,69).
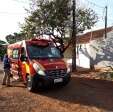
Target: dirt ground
(85,93)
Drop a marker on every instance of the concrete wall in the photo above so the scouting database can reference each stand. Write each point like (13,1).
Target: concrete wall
(97,53)
(100,51)
(82,60)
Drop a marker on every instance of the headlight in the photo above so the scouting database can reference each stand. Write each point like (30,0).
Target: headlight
(38,69)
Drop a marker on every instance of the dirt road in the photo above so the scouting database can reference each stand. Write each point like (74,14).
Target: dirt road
(80,95)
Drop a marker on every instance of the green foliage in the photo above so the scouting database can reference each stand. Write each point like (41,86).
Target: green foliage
(49,15)
(15,37)
(2,51)
(86,18)
(55,15)
(2,48)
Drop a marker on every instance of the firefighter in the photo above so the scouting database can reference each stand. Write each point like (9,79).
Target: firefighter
(6,65)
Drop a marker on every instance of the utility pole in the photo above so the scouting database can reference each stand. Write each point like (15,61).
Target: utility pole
(74,31)
(106,22)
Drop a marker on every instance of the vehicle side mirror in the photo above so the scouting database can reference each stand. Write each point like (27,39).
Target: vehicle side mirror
(23,58)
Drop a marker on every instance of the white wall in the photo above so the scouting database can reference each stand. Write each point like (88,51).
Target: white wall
(97,52)
(100,51)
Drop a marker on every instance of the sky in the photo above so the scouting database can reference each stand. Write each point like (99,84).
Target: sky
(99,7)
(12,12)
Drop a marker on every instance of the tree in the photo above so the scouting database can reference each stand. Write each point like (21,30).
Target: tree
(55,16)
(10,38)
(47,17)
(15,37)
(2,48)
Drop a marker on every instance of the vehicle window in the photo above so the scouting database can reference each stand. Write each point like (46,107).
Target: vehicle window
(43,52)
(15,53)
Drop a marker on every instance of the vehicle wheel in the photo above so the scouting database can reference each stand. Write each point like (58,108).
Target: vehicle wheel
(30,83)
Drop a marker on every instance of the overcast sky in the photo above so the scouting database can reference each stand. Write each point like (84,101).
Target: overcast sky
(12,12)
(99,7)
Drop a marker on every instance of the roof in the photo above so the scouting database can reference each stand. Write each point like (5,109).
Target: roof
(93,35)
(42,42)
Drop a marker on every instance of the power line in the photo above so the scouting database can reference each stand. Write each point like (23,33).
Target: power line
(94,4)
(100,11)
(101,17)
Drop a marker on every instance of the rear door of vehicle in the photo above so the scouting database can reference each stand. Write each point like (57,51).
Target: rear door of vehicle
(15,64)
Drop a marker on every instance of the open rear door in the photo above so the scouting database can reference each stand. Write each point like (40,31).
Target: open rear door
(15,63)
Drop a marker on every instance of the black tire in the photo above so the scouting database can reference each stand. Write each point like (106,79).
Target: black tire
(30,83)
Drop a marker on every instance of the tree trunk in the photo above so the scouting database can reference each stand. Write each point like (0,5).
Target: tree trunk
(73,54)
(91,64)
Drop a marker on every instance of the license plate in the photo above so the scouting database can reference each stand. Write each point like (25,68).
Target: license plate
(58,80)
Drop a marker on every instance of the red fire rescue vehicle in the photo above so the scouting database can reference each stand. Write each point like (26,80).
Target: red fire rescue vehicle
(38,62)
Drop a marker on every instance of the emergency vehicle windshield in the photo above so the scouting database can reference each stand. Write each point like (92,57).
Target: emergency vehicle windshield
(35,52)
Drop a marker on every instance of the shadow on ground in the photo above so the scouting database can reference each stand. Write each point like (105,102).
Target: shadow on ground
(85,91)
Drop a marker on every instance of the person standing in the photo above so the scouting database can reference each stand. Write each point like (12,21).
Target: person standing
(6,65)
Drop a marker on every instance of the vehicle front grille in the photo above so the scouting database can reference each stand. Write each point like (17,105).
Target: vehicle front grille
(56,73)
